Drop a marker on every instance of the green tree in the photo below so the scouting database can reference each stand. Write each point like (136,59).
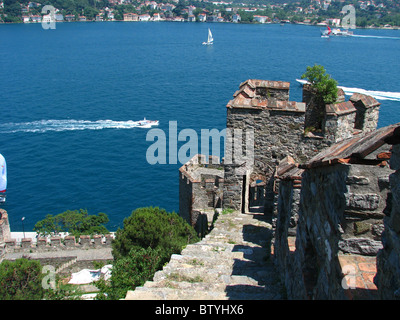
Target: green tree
(76,222)
(128,273)
(154,228)
(324,86)
(246,17)
(21,280)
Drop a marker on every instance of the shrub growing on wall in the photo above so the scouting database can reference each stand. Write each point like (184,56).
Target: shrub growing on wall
(325,87)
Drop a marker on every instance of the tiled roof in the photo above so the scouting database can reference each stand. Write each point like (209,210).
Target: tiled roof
(340,108)
(355,150)
(247,90)
(246,97)
(289,170)
(241,101)
(367,101)
(287,106)
(254,83)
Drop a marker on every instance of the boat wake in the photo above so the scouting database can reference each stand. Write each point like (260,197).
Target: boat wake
(379,95)
(72,125)
(376,37)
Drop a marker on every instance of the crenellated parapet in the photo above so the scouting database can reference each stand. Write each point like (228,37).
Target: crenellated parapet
(57,243)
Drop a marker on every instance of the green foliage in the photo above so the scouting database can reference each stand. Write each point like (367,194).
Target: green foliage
(129,272)
(63,292)
(154,228)
(21,280)
(325,87)
(389,14)
(144,244)
(76,222)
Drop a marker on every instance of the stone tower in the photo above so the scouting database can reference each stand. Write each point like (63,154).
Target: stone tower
(284,128)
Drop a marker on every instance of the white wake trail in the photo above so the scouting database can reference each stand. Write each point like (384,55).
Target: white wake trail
(376,37)
(379,95)
(66,125)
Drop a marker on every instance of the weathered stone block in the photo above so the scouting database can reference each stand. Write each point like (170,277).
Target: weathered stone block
(363,246)
(360,180)
(97,240)
(11,244)
(41,242)
(26,243)
(361,227)
(85,240)
(69,241)
(362,201)
(55,241)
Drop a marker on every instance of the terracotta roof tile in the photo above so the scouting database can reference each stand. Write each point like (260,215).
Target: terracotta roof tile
(287,106)
(340,108)
(367,101)
(247,97)
(355,149)
(255,83)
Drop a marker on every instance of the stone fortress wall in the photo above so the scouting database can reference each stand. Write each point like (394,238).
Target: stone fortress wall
(322,172)
(47,244)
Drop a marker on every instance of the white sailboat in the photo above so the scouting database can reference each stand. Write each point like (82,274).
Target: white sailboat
(3,178)
(210,39)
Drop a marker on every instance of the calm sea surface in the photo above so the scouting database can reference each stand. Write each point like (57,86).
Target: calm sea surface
(67,97)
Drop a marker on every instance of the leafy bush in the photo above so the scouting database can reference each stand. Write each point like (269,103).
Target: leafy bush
(324,86)
(129,272)
(76,222)
(21,280)
(154,228)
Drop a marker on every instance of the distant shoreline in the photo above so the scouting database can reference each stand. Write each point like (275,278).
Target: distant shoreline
(247,23)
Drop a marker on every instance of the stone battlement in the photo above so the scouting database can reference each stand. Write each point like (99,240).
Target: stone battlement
(200,191)
(58,243)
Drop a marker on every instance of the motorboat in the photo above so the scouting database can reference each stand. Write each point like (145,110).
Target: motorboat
(343,33)
(147,123)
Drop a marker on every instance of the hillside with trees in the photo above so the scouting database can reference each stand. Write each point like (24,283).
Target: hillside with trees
(379,13)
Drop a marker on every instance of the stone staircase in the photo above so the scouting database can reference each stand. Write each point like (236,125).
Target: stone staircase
(67,265)
(231,262)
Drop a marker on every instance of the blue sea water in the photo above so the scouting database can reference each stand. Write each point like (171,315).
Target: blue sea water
(67,95)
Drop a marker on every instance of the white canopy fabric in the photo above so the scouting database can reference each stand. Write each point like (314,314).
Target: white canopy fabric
(86,276)
(3,174)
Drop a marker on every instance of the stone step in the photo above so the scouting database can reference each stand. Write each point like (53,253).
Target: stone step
(66,265)
(141,293)
(231,262)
